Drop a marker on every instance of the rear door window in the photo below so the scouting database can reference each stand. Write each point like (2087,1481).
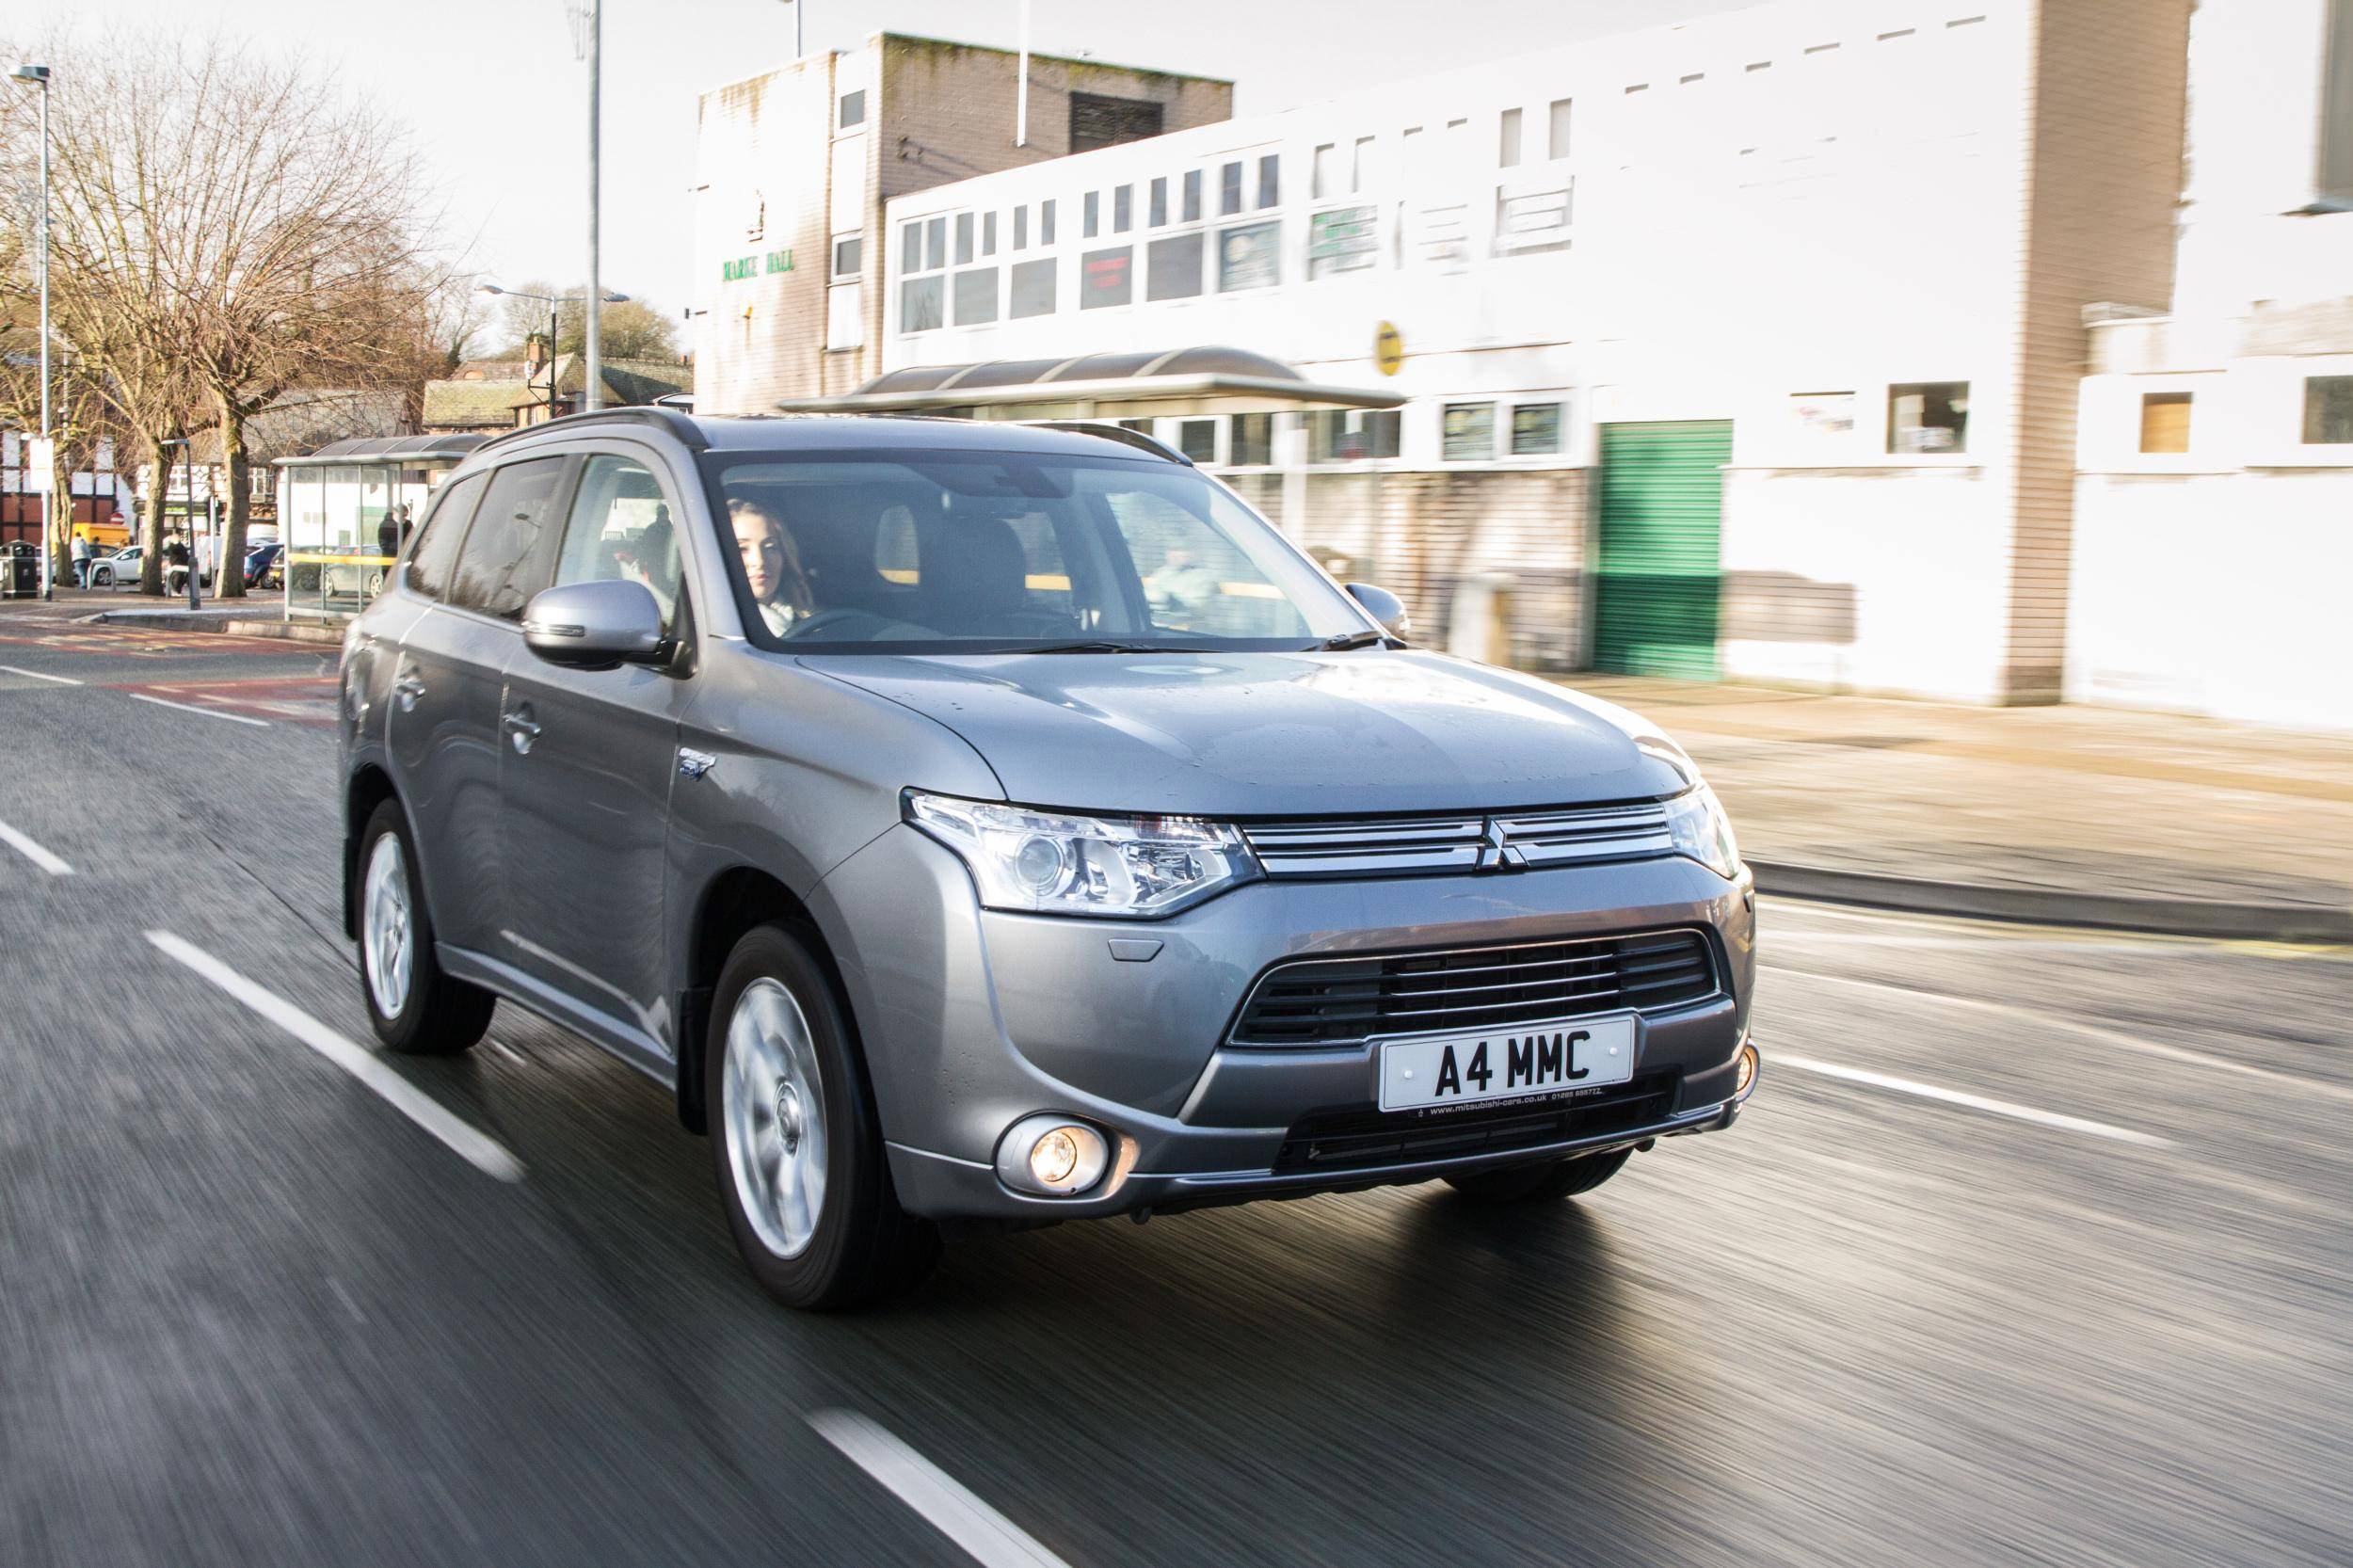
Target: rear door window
(505,556)
(435,551)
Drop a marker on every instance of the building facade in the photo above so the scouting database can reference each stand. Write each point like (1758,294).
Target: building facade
(795,166)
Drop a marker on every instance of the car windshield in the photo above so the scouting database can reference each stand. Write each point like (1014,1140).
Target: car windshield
(964,553)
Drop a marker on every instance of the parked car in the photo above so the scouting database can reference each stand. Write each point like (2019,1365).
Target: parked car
(263,566)
(122,569)
(981,824)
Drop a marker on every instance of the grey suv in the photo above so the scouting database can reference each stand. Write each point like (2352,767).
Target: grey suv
(980,825)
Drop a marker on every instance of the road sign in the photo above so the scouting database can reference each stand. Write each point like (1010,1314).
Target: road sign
(41,463)
(1388,348)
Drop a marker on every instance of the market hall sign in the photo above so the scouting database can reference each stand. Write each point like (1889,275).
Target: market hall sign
(750,266)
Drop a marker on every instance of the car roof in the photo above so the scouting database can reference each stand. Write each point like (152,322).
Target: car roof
(833,433)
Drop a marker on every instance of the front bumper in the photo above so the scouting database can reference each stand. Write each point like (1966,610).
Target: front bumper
(972,1020)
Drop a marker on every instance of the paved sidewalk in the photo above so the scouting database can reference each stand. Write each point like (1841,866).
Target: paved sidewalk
(2067,811)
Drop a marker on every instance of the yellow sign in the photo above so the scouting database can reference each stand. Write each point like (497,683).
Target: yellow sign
(1388,348)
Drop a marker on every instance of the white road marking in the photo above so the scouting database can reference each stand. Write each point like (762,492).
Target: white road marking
(33,851)
(477,1150)
(2089,1032)
(1975,1102)
(191,708)
(35,675)
(986,1535)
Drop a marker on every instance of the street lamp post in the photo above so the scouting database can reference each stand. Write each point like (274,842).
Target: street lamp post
(589,398)
(39,75)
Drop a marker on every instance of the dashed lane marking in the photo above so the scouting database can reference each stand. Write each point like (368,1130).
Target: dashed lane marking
(988,1536)
(478,1150)
(1973,1102)
(33,851)
(191,708)
(35,675)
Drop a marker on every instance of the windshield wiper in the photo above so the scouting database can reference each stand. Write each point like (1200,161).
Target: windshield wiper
(1089,648)
(1347,640)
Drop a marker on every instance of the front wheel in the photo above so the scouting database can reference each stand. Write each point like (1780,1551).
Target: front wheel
(101,578)
(416,1009)
(801,1168)
(1563,1179)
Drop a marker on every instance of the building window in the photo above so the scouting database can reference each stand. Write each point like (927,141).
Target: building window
(1535,429)
(911,247)
(2327,411)
(922,303)
(1090,215)
(1508,149)
(1251,442)
(1928,416)
(935,243)
(1160,202)
(1249,256)
(1468,432)
(1351,435)
(1033,289)
(853,108)
(1197,439)
(1558,144)
(1360,174)
(964,238)
(848,255)
(988,233)
(1191,210)
(1174,267)
(1323,174)
(1122,209)
(1229,190)
(2165,422)
(1099,121)
(845,322)
(1046,223)
(1269,180)
(2336,112)
(1021,228)
(1107,278)
(976,295)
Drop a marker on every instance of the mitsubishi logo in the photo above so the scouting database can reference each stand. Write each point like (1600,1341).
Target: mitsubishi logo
(1496,853)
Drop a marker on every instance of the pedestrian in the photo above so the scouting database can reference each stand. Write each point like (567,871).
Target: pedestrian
(387,533)
(175,560)
(80,559)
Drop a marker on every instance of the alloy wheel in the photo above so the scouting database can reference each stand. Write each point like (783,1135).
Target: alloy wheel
(775,1117)
(388,944)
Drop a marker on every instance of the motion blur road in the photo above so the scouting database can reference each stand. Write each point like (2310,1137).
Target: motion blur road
(2032,1249)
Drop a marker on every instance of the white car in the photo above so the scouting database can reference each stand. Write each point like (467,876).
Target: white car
(115,570)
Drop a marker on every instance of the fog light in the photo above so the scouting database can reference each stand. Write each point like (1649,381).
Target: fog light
(1745,1076)
(1052,1155)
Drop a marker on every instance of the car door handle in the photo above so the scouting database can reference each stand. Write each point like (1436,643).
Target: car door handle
(522,730)
(409,691)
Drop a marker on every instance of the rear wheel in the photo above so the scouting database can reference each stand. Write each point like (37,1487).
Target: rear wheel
(416,1009)
(798,1147)
(1563,1179)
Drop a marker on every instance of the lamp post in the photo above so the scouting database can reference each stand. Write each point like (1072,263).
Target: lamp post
(588,399)
(39,77)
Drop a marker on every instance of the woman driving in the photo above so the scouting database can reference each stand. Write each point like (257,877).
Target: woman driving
(772,567)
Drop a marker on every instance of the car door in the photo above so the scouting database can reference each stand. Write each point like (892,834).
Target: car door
(586,771)
(443,730)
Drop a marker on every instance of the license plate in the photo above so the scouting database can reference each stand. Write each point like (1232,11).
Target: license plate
(1540,1059)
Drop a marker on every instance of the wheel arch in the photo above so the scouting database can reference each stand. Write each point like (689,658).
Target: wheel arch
(368,788)
(732,903)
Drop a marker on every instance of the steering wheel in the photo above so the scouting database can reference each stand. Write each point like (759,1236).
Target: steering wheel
(834,621)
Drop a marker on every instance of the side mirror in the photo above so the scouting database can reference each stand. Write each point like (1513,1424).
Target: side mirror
(1385,607)
(594,624)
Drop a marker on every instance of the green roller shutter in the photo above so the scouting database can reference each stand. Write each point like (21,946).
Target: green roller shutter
(1663,490)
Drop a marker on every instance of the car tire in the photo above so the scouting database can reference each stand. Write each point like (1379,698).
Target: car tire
(417,1009)
(794,1138)
(105,577)
(1563,1179)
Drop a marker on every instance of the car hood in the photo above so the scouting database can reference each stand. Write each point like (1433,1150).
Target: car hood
(1275,734)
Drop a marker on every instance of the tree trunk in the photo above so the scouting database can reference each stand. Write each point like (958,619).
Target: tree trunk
(151,525)
(229,569)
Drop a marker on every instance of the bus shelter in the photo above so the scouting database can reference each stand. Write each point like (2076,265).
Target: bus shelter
(331,506)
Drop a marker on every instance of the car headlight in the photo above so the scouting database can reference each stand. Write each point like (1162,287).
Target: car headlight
(1057,863)
(1703,832)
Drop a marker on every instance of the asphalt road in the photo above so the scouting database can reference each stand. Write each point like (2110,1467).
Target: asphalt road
(2093,1311)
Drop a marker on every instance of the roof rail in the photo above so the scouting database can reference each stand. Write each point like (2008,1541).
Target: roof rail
(676,423)
(1109,432)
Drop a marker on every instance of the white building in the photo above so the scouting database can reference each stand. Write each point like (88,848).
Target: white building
(1754,345)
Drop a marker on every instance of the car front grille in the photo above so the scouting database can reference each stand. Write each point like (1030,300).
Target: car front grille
(1321,1002)
(1345,1140)
(1407,846)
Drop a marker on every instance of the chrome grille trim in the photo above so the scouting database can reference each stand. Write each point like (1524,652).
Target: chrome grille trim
(1346,1000)
(1409,846)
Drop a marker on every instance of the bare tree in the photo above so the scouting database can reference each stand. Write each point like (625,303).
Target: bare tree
(633,330)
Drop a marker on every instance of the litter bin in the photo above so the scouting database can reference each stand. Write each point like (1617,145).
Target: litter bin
(20,575)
